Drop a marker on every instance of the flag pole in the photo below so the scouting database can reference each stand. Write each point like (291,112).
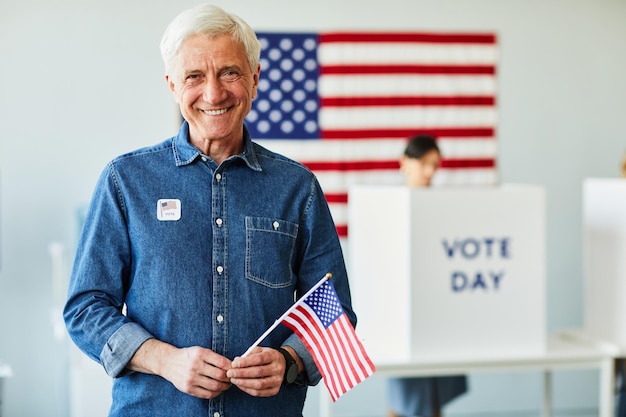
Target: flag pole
(280,319)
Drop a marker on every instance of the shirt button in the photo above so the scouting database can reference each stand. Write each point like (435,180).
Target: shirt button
(204,158)
(220,318)
(218,222)
(216,414)
(220,269)
(218,176)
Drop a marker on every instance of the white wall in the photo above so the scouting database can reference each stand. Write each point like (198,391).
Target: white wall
(81,81)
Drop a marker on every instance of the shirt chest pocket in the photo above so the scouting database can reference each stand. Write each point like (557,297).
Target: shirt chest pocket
(270,246)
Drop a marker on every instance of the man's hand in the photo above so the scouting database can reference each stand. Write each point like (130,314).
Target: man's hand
(196,371)
(260,373)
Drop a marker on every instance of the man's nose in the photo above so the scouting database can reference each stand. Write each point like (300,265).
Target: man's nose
(214,90)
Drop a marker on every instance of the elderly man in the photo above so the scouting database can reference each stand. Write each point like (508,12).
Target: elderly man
(205,239)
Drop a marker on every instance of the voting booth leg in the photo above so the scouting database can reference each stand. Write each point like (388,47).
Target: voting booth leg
(607,388)
(547,394)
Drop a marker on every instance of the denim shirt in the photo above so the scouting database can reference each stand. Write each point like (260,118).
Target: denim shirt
(200,255)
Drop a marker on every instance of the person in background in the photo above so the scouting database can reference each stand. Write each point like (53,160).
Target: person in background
(193,247)
(423,396)
(420,161)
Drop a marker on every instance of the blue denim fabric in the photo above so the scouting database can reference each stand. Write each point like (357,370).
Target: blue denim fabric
(253,233)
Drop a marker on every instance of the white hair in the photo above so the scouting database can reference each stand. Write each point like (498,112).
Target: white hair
(212,21)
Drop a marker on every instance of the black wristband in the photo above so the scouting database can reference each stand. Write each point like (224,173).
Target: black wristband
(291,367)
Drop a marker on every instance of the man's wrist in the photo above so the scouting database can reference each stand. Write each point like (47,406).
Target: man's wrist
(295,357)
(149,357)
(291,367)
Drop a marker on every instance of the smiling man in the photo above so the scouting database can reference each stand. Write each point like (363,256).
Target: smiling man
(206,239)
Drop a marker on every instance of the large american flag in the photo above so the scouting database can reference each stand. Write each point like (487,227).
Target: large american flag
(320,321)
(344,104)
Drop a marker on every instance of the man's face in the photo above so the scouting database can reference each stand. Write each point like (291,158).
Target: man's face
(212,82)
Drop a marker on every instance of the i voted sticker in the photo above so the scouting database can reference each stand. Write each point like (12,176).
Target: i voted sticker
(168,209)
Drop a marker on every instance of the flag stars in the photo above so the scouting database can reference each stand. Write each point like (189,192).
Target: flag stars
(289,73)
(326,304)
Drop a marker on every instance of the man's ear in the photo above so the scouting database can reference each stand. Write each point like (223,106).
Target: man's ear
(255,85)
(172,86)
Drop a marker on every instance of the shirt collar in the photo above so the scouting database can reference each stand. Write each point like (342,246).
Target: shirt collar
(185,153)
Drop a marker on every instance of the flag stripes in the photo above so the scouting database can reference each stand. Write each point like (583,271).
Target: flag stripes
(397,85)
(342,365)
(409,37)
(408,69)
(358,119)
(382,134)
(407,101)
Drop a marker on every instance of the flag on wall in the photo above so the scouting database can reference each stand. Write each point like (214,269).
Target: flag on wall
(320,321)
(344,104)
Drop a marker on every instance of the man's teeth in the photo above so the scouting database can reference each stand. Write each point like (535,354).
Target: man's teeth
(215,112)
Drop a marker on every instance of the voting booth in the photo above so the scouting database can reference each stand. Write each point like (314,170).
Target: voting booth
(448,272)
(604,258)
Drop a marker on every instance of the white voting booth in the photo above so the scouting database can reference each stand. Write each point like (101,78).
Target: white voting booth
(604,247)
(446,272)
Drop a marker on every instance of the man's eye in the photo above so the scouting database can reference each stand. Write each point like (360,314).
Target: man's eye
(191,78)
(231,75)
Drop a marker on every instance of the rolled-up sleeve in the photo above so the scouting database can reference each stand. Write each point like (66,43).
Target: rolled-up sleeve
(121,347)
(313,374)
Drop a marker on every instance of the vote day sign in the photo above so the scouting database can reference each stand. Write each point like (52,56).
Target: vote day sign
(448,272)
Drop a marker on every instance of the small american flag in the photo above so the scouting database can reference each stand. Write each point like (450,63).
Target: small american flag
(320,321)
(169,205)
(345,103)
